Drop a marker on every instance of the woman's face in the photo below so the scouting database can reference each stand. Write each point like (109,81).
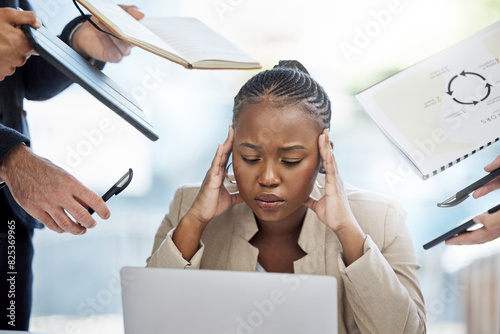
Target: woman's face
(275,159)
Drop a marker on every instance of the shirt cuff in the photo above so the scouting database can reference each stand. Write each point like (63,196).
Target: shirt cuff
(169,256)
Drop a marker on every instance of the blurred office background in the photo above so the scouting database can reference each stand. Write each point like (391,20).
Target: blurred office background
(76,286)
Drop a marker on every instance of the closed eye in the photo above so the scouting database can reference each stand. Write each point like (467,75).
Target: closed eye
(251,160)
(291,162)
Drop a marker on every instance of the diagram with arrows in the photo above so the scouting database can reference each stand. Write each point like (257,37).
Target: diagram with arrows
(464,88)
(444,108)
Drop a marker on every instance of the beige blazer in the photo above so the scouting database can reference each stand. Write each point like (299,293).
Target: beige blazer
(379,293)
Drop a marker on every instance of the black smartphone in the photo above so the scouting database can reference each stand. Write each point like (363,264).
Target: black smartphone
(457,230)
(118,187)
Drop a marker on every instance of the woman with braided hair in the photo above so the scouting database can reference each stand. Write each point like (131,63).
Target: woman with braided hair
(287,210)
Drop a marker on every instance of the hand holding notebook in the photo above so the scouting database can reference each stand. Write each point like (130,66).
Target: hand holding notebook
(186,41)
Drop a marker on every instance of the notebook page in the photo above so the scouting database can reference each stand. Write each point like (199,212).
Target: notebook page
(116,17)
(194,41)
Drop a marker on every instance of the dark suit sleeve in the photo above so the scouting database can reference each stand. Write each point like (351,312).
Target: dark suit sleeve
(9,139)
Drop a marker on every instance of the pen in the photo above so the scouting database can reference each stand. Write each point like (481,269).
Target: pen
(457,230)
(463,194)
(118,187)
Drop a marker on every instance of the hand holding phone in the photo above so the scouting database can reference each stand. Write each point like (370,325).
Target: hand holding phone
(118,187)
(457,230)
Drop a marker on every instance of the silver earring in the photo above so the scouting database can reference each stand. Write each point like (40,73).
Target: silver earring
(227,176)
(319,185)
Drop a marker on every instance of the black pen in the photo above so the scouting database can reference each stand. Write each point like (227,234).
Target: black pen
(463,194)
(457,230)
(118,187)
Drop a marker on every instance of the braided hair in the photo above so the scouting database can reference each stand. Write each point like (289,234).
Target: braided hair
(287,83)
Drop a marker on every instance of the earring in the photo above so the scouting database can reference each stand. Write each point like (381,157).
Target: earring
(319,185)
(227,176)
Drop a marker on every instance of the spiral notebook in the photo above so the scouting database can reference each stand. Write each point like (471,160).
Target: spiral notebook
(444,108)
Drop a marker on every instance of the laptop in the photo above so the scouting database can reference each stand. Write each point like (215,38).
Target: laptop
(161,300)
(69,62)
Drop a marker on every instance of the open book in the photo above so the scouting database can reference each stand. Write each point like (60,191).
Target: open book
(444,108)
(183,40)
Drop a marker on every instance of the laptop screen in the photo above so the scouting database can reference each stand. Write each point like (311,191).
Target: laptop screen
(160,300)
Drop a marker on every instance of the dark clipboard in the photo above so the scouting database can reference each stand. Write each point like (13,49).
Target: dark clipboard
(69,62)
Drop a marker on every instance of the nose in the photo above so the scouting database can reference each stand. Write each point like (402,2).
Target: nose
(269,175)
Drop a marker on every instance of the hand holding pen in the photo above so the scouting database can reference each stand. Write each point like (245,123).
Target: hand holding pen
(118,187)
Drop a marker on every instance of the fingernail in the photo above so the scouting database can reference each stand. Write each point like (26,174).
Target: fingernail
(38,23)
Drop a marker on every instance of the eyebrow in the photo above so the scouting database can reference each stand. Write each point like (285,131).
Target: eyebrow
(284,149)
(292,148)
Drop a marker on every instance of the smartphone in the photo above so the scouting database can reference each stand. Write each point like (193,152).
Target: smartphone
(118,187)
(457,230)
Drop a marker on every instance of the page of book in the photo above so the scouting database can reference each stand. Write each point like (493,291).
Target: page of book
(195,41)
(444,108)
(114,16)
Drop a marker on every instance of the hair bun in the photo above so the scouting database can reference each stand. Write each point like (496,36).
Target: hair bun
(292,64)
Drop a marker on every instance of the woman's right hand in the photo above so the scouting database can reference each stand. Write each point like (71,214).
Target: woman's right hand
(213,198)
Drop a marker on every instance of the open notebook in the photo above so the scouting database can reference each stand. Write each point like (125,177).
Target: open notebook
(184,40)
(444,108)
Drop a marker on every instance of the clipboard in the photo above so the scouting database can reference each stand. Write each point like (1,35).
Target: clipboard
(77,68)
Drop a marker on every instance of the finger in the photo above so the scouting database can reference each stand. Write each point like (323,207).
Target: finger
(487,188)
(321,146)
(228,146)
(65,223)
(236,198)
(21,45)
(311,203)
(19,17)
(80,214)
(478,236)
(47,220)
(7,73)
(328,161)
(91,200)
(133,11)
(494,165)
(215,175)
(490,221)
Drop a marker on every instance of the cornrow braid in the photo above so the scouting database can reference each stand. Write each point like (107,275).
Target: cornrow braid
(289,83)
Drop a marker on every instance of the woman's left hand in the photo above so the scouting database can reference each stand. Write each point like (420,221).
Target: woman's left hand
(333,208)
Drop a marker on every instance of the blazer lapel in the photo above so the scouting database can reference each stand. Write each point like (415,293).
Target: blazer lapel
(242,255)
(312,240)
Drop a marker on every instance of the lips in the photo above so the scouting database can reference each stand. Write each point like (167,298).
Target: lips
(269,201)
